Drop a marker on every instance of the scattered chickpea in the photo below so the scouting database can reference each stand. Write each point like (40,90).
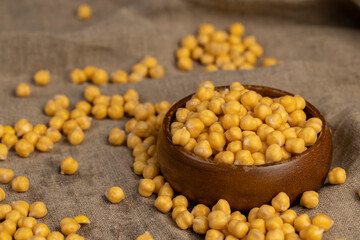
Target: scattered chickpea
(184,220)
(281,202)
(309,199)
(13,215)
(23,90)
(337,176)
(37,210)
(20,184)
(218,219)
(115,194)
(322,221)
(91,92)
(74,236)
(81,219)
(53,134)
(44,144)
(69,226)
(145,236)
(146,187)
(28,222)
(76,136)
(119,77)
(41,229)
(78,76)
(2,194)
(3,151)
(55,236)
(23,234)
(163,203)
(116,137)
(84,12)
(21,206)
(42,77)
(6,175)
(69,166)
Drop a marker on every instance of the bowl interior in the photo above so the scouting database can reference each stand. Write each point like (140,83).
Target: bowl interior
(309,110)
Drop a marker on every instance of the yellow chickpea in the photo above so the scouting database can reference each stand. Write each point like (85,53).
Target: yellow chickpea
(184,220)
(62,113)
(301,222)
(23,234)
(76,136)
(203,149)
(309,135)
(78,76)
(213,234)
(337,176)
(288,216)
(91,92)
(119,77)
(312,232)
(322,221)
(42,78)
(6,175)
(74,236)
(226,157)
(69,166)
(252,143)
(185,64)
(274,153)
(296,117)
(243,157)
(146,187)
(37,210)
(5,236)
(28,222)
(9,140)
(163,203)
(99,77)
(189,42)
(20,184)
(116,137)
(295,145)
(22,127)
(266,211)
(55,236)
(84,12)
(24,148)
(157,71)
(275,234)
(44,144)
(69,226)
(23,90)
(3,151)
(281,202)
(115,194)
(218,219)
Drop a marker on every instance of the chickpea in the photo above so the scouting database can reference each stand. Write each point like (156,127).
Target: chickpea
(166,190)
(42,78)
(41,229)
(56,123)
(37,238)
(119,77)
(99,77)
(243,157)
(55,236)
(275,234)
(76,136)
(28,222)
(2,194)
(180,200)
(8,129)
(5,236)
(255,234)
(3,151)
(311,232)
(238,228)
(226,157)
(4,210)
(115,194)
(222,205)
(20,184)
(296,117)
(74,236)
(189,42)
(258,224)
(40,129)
(185,63)
(163,203)
(9,140)
(23,90)
(301,222)
(146,187)
(281,202)
(288,216)
(184,220)
(6,175)
(266,212)
(22,127)
(8,226)
(69,166)
(69,226)
(216,140)
(200,224)
(309,199)
(69,125)
(218,219)
(213,234)
(252,143)
(116,137)
(314,123)
(203,149)
(23,234)
(78,76)
(274,222)
(337,176)
(274,153)
(84,12)
(91,92)
(295,145)
(13,215)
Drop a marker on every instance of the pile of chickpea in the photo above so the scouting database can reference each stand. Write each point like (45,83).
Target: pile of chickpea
(147,67)
(239,126)
(220,50)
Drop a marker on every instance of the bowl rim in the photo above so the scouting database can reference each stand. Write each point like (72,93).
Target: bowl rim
(195,161)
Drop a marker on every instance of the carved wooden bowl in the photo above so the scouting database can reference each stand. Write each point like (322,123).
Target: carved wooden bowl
(244,187)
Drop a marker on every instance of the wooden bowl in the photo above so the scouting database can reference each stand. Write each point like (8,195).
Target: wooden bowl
(244,187)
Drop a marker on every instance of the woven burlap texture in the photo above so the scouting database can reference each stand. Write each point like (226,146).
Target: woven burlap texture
(321,53)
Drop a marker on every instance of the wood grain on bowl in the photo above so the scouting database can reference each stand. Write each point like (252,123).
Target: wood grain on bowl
(244,187)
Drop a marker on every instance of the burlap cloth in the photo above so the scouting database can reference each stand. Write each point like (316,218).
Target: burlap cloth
(317,40)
